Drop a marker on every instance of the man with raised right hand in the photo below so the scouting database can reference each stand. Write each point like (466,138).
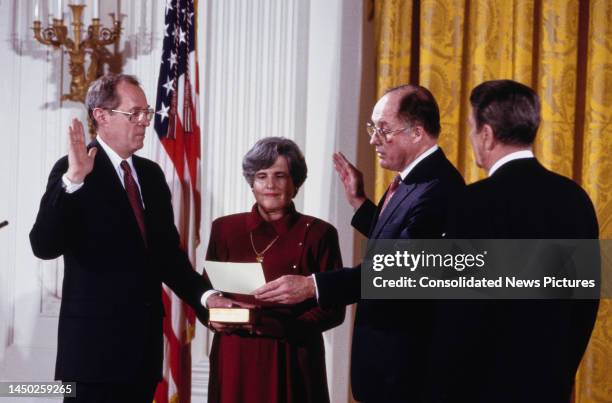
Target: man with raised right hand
(392,340)
(108,212)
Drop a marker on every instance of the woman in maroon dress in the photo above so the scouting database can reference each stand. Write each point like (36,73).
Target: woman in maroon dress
(281,359)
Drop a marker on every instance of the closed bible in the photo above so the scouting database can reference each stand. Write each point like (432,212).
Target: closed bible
(232,315)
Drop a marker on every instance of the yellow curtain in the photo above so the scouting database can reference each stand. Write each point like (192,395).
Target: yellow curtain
(562,49)
(393,59)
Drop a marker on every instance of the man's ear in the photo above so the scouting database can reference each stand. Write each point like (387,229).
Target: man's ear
(488,138)
(418,132)
(100,115)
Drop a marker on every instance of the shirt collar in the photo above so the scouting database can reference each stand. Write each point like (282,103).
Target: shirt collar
(113,156)
(418,159)
(280,226)
(510,157)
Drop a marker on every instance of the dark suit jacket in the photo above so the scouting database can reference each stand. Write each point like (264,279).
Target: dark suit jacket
(391,339)
(110,324)
(518,350)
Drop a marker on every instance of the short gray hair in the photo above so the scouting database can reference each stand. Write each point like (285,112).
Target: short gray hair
(102,93)
(265,153)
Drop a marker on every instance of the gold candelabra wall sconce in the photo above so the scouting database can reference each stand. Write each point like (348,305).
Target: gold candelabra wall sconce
(77,47)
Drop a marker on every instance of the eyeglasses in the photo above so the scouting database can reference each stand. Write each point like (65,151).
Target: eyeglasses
(372,131)
(137,116)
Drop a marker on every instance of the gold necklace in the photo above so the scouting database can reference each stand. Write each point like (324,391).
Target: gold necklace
(260,255)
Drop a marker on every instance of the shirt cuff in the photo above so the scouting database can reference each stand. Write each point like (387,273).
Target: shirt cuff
(207,294)
(314,279)
(70,187)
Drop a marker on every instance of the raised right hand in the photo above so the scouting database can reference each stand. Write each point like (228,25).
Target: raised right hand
(351,178)
(80,161)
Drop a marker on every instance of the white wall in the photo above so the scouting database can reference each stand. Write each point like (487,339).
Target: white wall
(34,124)
(268,67)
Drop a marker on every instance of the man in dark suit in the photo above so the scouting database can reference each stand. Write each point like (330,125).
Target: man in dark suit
(392,339)
(521,350)
(109,213)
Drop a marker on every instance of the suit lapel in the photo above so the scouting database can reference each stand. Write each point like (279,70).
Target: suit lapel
(109,187)
(402,192)
(424,171)
(106,177)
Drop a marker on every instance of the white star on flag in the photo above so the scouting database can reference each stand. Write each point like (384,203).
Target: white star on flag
(169,86)
(163,111)
(172,59)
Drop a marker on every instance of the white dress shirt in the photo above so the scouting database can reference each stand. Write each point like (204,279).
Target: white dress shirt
(116,160)
(418,159)
(510,157)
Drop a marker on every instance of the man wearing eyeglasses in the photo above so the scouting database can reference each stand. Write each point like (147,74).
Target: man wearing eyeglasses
(392,343)
(109,213)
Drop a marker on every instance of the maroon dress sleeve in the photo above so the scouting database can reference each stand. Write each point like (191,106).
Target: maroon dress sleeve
(325,256)
(212,251)
(216,246)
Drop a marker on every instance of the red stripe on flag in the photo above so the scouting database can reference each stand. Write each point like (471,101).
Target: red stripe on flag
(183,150)
(161,393)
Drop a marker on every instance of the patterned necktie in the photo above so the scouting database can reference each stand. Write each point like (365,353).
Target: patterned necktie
(392,188)
(134,197)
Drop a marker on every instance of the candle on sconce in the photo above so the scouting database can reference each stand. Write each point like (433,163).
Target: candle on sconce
(59,12)
(96,9)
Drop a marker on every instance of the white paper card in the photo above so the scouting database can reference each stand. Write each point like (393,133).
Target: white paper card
(239,278)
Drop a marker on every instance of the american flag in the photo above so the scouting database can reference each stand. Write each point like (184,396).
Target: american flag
(178,153)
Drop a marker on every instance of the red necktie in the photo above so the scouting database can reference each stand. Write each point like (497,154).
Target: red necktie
(392,188)
(134,197)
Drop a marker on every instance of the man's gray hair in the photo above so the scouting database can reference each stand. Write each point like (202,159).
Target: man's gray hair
(265,153)
(102,93)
